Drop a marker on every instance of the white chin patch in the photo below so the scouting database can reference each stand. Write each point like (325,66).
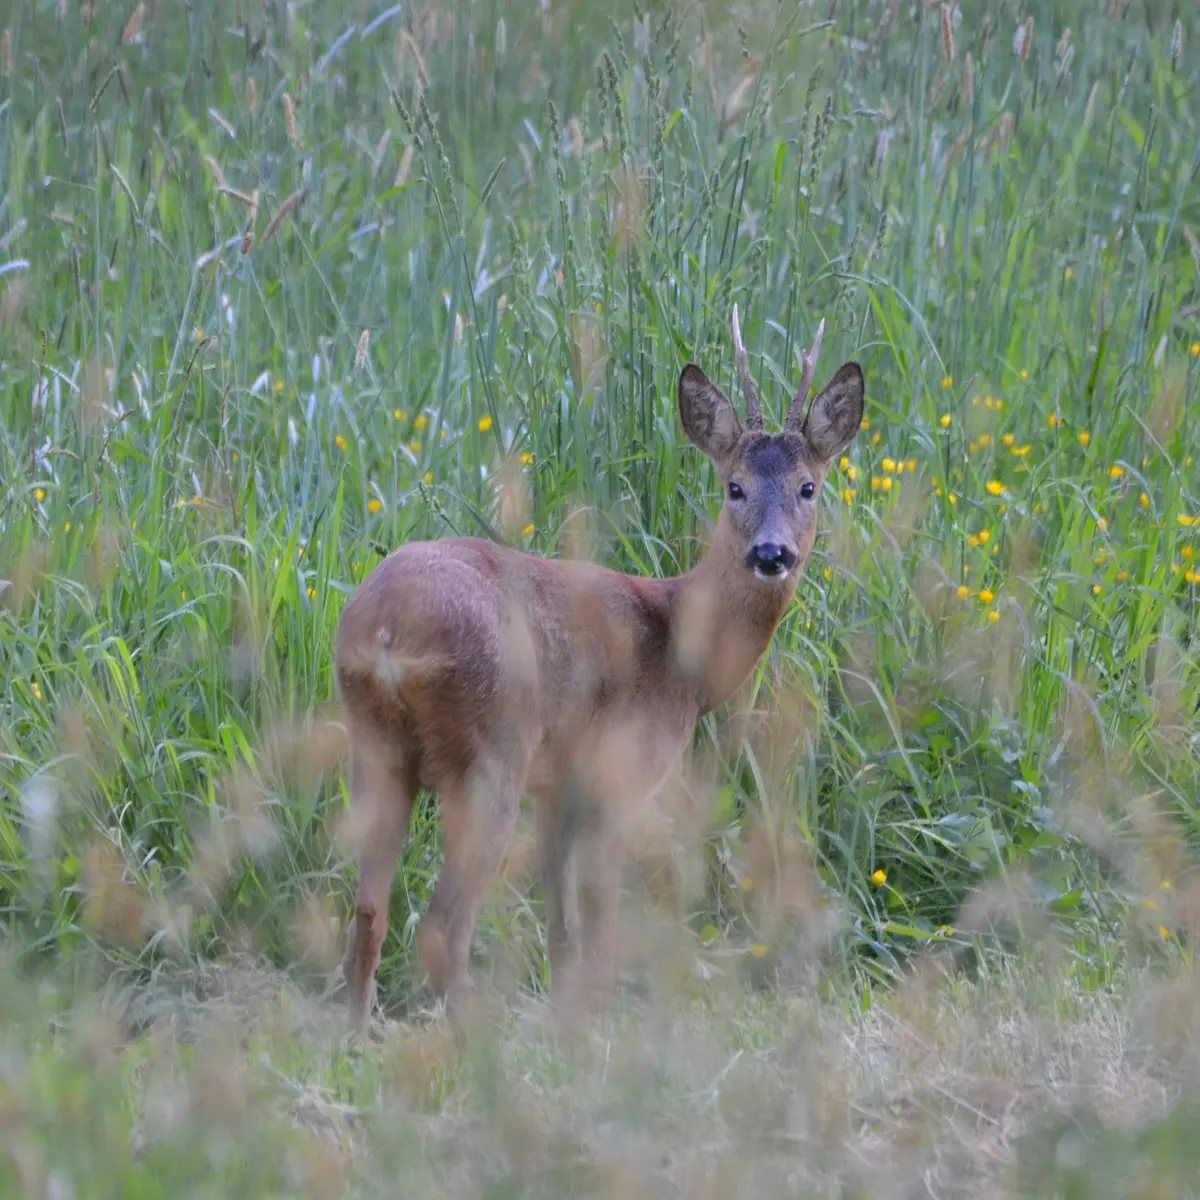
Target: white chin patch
(777,578)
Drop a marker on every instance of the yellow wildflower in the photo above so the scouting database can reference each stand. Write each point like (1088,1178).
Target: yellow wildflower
(339,442)
(948,382)
(963,591)
(1021,451)
(527,531)
(889,465)
(1008,439)
(374,504)
(1084,438)
(994,487)
(39,495)
(945,420)
(985,596)
(758,950)
(1186,521)
(1116,471)
(415,447)
(485,423)
(994,617)
(879,877)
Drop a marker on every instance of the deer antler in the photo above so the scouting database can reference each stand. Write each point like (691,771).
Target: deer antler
(754,417)
(798,411)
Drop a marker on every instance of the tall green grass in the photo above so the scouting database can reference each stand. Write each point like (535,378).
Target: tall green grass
(514,226)
(284,285)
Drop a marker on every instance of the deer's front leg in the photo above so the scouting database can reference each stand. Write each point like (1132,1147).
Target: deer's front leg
(601,857)
(557,865)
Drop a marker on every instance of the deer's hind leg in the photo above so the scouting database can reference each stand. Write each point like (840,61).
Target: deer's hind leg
(383,785)
(479,814)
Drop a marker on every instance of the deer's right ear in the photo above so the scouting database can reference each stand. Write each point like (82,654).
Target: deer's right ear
(708,418)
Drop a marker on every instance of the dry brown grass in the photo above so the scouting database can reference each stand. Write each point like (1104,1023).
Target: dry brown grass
(933,1092)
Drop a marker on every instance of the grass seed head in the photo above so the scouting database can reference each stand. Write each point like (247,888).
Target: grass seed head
(16,295)
(134,26)
(281,215)
(947,33)
(113,906)
(289,120)
(512,497)
(404,167)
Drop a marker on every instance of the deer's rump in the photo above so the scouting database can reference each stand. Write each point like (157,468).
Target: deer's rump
(426,656)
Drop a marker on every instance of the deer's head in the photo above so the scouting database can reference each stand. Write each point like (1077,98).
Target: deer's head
(771,480)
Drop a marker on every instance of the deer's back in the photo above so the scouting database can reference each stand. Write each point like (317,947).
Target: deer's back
(453,644)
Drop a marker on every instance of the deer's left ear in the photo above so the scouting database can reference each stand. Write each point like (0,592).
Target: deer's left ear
(836,413)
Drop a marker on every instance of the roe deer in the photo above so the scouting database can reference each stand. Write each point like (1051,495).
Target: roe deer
(486,673)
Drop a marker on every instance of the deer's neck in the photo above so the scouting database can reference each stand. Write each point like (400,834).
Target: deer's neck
(723,619)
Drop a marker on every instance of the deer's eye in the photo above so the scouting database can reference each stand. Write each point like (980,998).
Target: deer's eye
(735,492)
(806,491)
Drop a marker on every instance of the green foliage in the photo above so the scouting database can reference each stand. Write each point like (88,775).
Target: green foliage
(504,232)
(284,285)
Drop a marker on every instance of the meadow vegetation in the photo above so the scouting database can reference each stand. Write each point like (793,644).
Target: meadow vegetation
(284,284)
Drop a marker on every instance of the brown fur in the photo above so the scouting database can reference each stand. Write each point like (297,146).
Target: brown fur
(485,673)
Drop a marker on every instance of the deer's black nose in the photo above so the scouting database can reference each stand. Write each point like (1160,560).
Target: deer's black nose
(768,558)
